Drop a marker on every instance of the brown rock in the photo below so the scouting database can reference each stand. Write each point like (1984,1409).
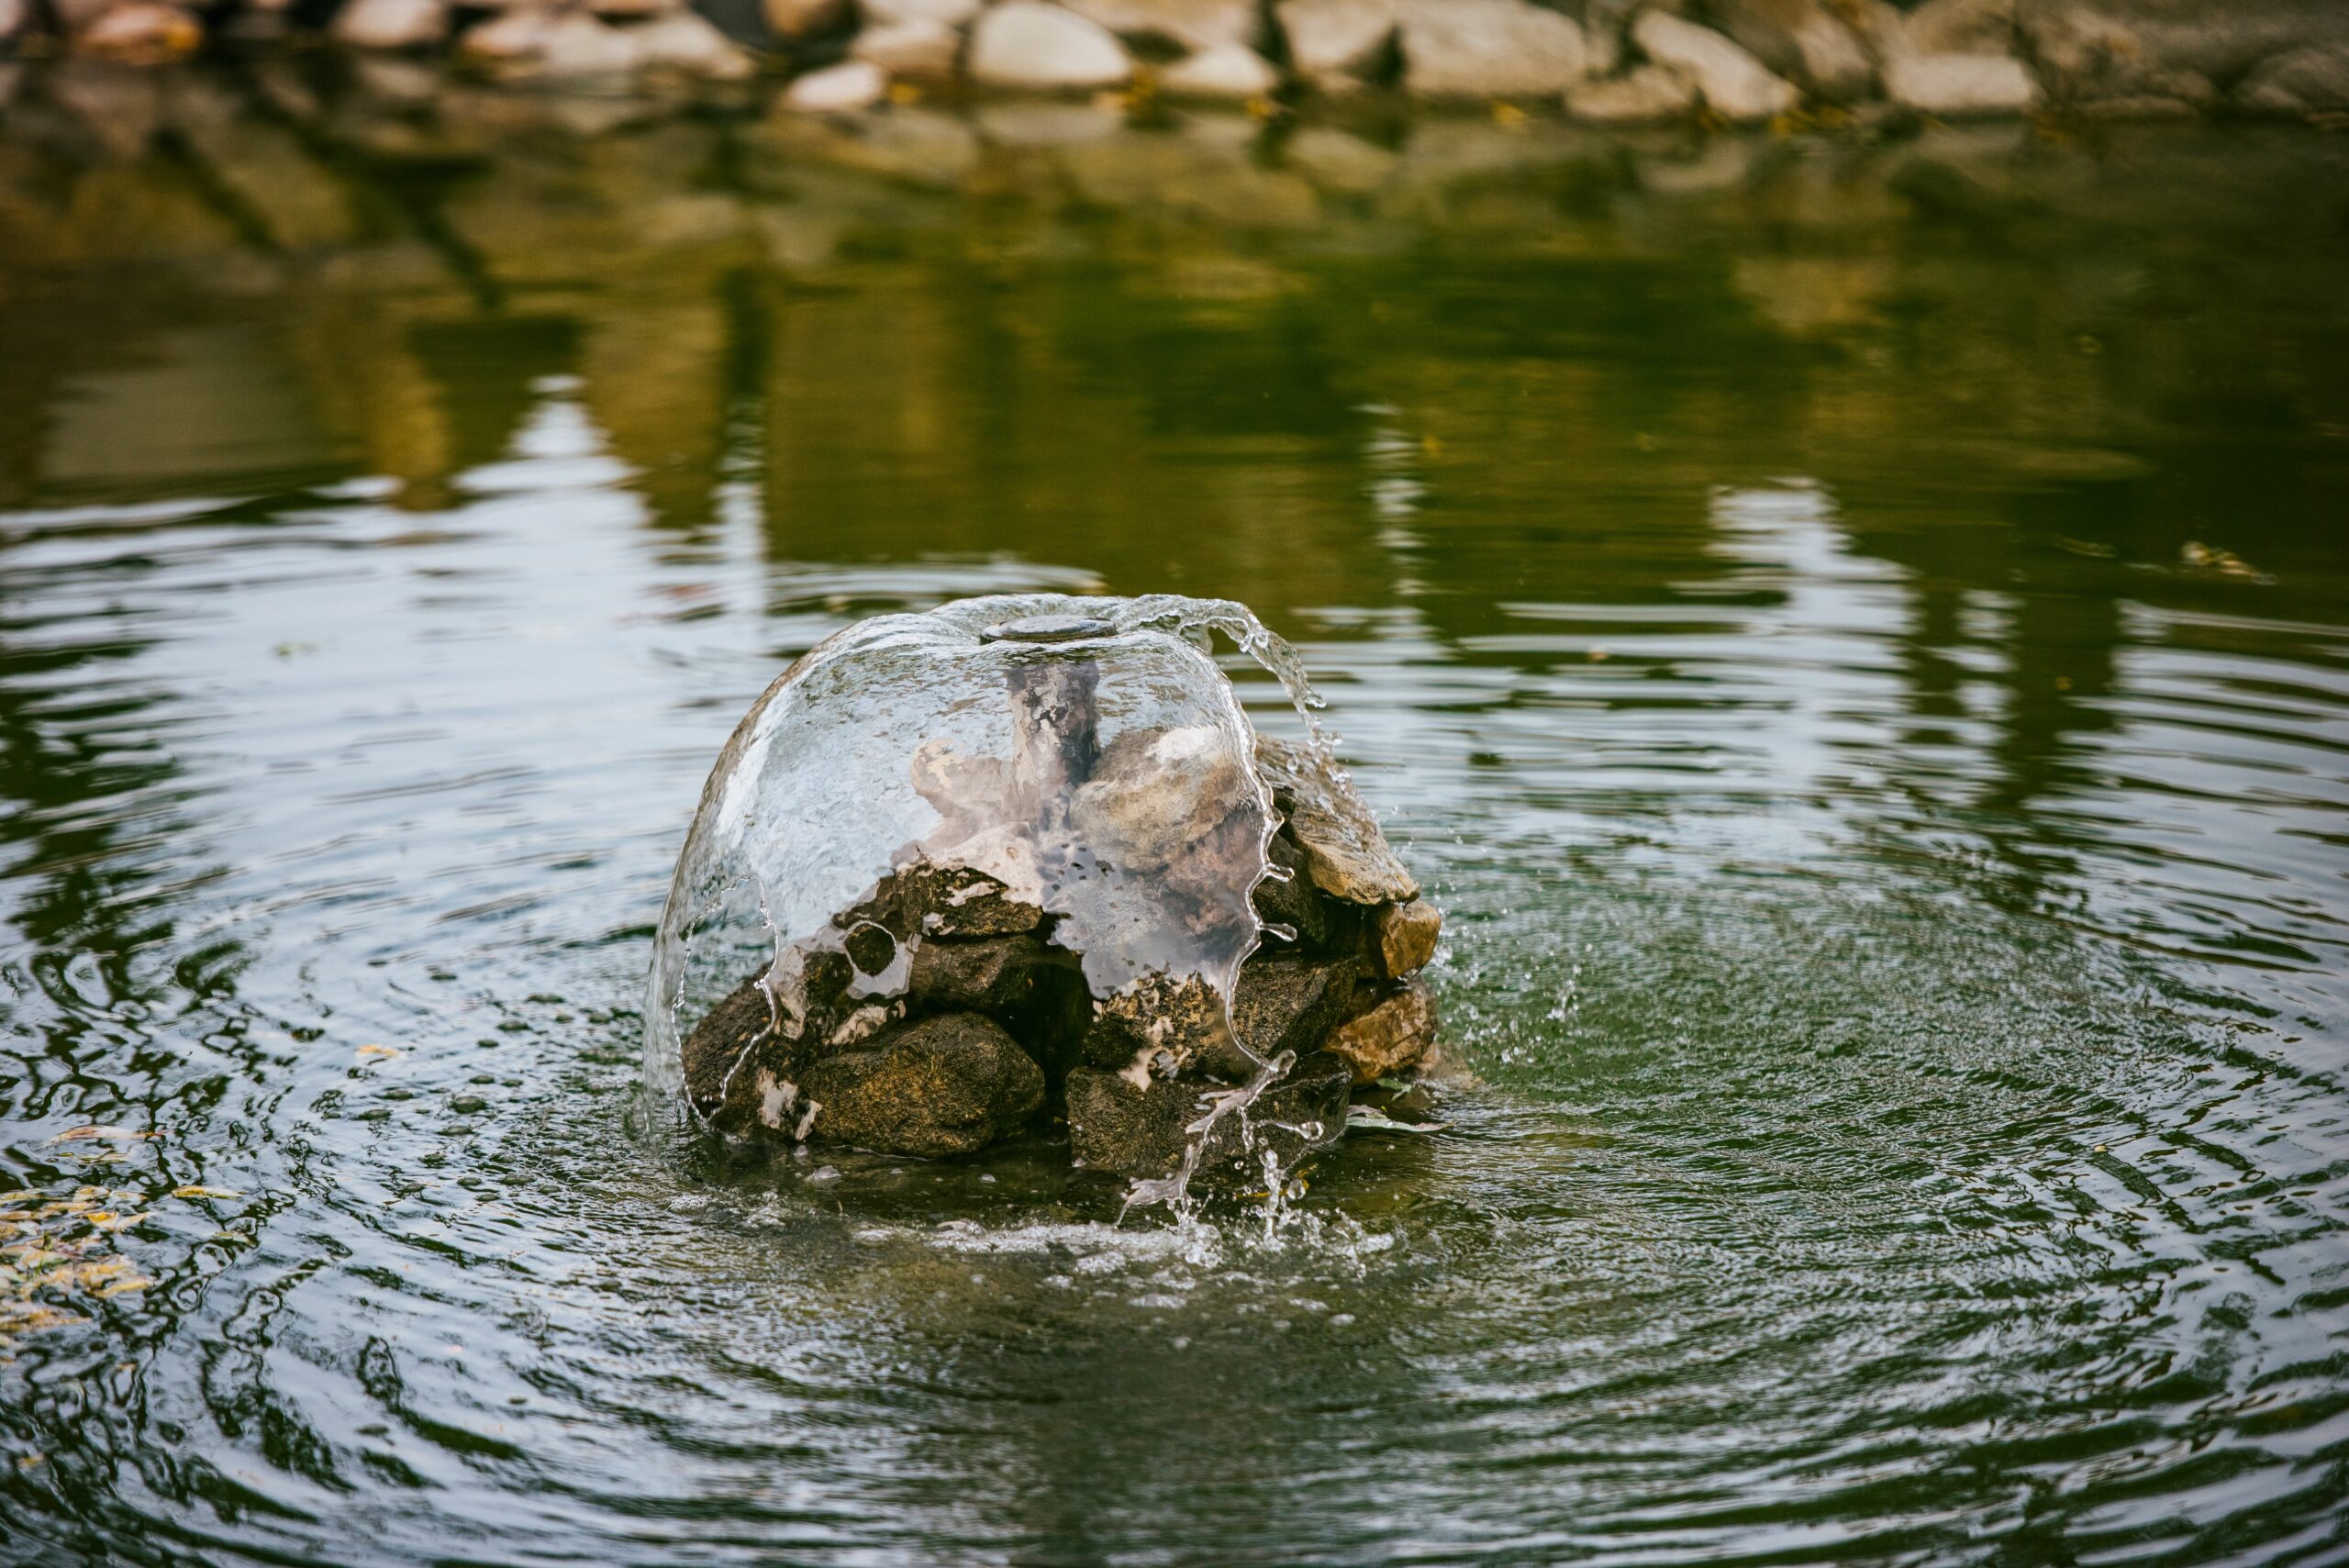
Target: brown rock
(945,1085)
(717,1045)
(1404,937)
(1802,39)
(1322,924)
(804,19)
(1144,1130)
(1393,1037)
(1345,854)
(927,900)
(1289,1003)
(1163,1027)
(1036,991)
(1640,97)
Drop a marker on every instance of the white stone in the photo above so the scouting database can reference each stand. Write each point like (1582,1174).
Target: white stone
(392,24)
(1954,85)
(915,49)
(1733,83)
(142,33)
(1196,25)
(1227,70)
(1025,43)
(800,19)
(1333,39)
(577,45)
(521,34)
(838,89)
(685,41)
(890,13)
(1489,48)
(1641,97)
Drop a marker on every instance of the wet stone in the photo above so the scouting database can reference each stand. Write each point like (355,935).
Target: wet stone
(1404,937)
(1036,991)
(925,899)
(1144,1130)
(1395,1035)
(1290,1003)
(1345,853)
(949,1084)
(743,1017)
(1164,1027)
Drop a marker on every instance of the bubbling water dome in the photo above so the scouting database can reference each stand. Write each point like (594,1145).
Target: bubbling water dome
(1020,852)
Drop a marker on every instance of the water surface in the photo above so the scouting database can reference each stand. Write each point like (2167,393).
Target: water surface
(1856,636)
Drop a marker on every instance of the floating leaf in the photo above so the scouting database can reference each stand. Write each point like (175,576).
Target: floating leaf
(378,1050)
(205,1192)
(120,1134)
(23,1194)
(120,1221)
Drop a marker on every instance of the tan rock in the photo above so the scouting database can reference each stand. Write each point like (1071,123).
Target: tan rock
(1404,937)
(579,47)
(890,13)
(1958,84)
(1330,39)
(1025,43)
(1641,97)
(1732,84)
(1489,48)
(392,24)
(804,18)
(946,1086)
(1345,853)
(1196,24)
(1227,70)
(684,40)
(143,34)
(519,34)
(916,48)
(2303,82)
(1393,1037)
(1961,27)
(838,89)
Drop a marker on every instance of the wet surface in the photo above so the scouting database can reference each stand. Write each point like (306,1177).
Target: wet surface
(1856,637)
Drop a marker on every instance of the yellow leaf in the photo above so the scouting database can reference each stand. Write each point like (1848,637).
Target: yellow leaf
(205,1192)
(123,1134)
(377,1050)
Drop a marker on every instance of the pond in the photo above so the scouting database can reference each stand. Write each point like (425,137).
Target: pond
(1855,633)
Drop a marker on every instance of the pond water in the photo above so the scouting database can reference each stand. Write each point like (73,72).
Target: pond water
(1855,635)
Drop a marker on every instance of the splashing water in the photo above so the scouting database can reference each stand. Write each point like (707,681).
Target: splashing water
(1081,755)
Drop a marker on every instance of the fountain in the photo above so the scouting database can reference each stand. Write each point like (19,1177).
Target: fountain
(1018,858)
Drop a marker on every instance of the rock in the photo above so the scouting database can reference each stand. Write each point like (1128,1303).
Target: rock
(804,18)
(1036,991)
(1322,924)
(684,40)
(1803,40)
(2185,39)
(1345,854)
(743,1020)
(633,10)
(142,33)
(1642,96)
(1194,26)
(1333,40)
(1025,43)
(2094,57)
(1393,1037)
(1141,1130)
(1289,1003)
(2303,82)
(925,899)
(392,24)
(1159,1026)
(918,47)
(1226,71)
(1404,937)
(1957,85)
(14,15)
(892,13)
(1961,26)
(1732,84)
(577,47)
(1489,48)
(521,34)
(946,1086)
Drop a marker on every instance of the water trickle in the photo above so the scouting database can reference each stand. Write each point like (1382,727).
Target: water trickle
(1084,760)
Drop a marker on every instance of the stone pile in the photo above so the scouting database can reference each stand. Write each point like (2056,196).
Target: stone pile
(1601,60)
(944,1017)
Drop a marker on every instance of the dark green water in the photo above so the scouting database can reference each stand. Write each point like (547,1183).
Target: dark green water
(1856,636)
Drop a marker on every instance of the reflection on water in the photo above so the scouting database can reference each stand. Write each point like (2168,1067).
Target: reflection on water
(1857,636)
